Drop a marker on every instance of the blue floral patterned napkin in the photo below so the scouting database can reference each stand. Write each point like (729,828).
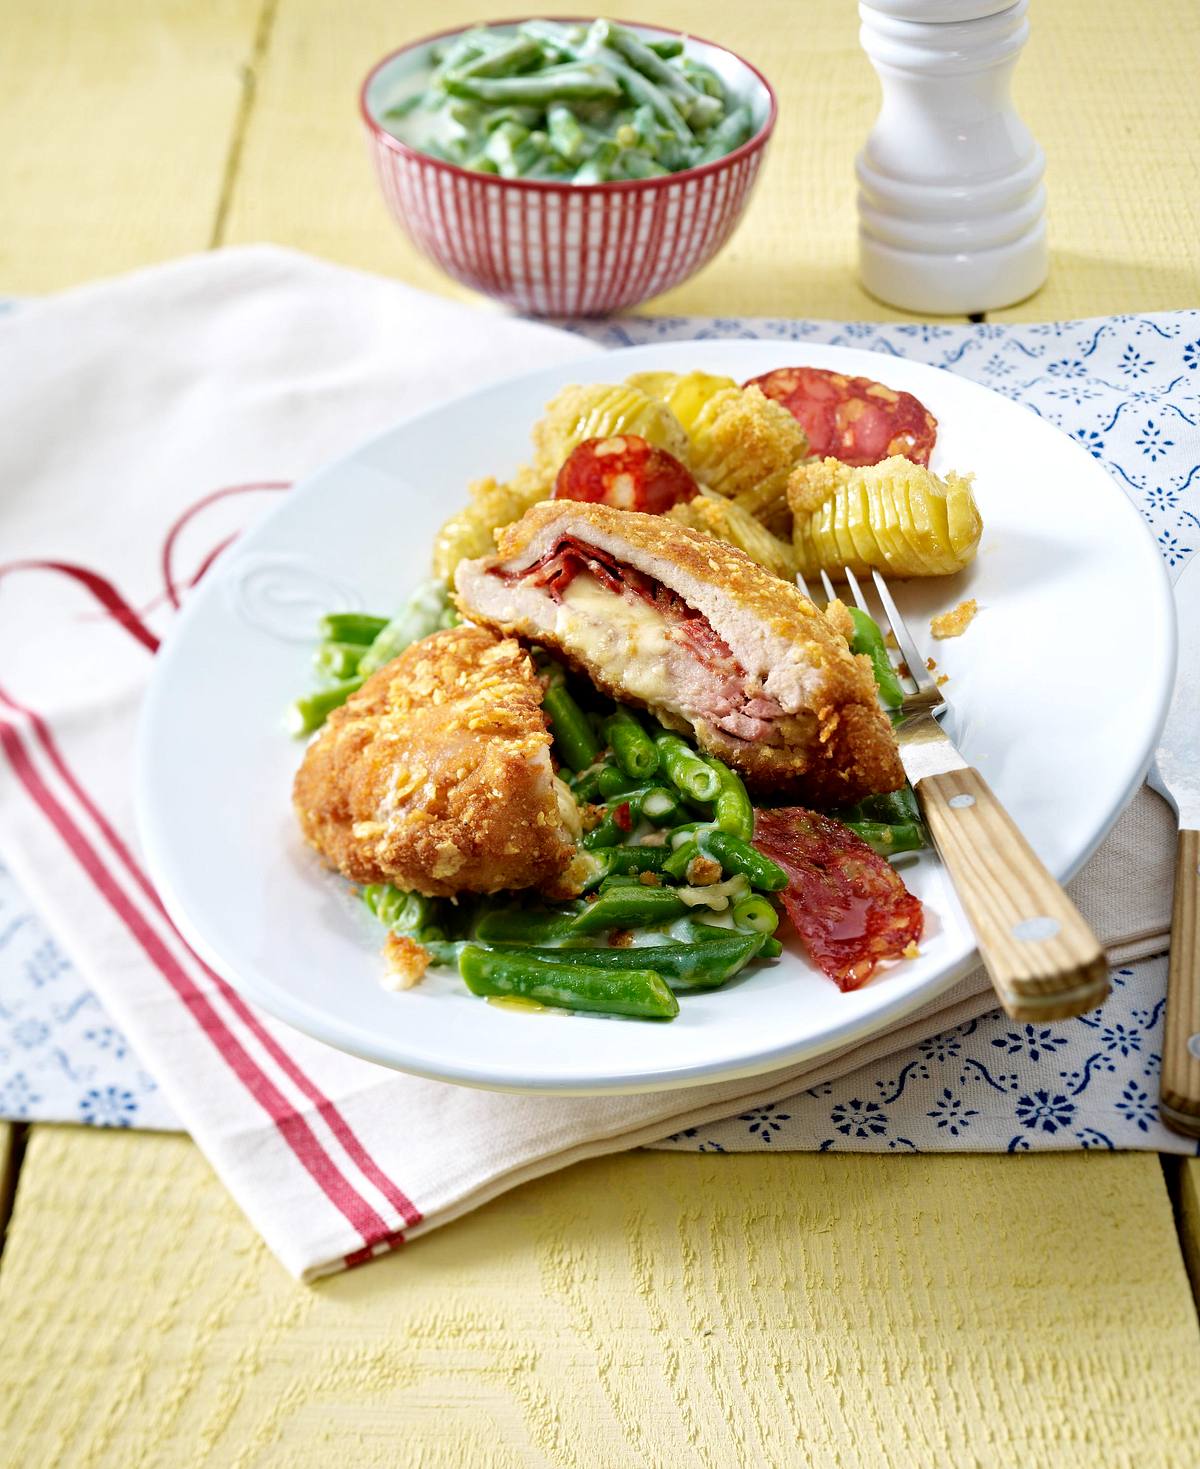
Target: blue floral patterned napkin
(1128,388)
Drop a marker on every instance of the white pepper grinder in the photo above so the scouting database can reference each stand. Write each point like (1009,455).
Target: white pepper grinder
(951,203)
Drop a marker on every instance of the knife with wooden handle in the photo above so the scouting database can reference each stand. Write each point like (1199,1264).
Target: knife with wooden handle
(1175,774)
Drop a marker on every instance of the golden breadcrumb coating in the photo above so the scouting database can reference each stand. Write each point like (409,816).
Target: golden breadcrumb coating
(954,623)
(838,742)
(436,774)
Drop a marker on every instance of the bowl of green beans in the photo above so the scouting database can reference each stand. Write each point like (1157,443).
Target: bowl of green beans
(567,167)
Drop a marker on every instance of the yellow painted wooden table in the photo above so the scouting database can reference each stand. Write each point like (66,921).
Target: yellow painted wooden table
(649,1309)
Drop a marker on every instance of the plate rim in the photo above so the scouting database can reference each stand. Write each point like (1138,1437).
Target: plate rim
(331,1029)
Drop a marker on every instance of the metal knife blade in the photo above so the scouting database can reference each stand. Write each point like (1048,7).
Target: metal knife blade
(1175,773)
(925,747)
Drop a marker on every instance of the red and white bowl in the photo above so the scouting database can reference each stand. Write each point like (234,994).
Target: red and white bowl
(553,249)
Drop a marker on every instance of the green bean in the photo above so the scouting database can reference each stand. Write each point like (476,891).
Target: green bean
(636,859)
(615,826)
(620,880)
(700,965)
(756,912)
(732,810)
(687,832)
(629,908)
(399,110)
(338,660)
(697,107)
(526,117)
(470,116)
(419,618)
(894,808)
(634,164)
(501,146)
(729,134)
(653,802)
(585,786)
(505,60)
(889,840)
(569,43)
(565,132)
(548,166)
(514,925)
(552,84)
(869,640)
(693,930)
(408,913)
(577,745)
(469,45)
(735,855)
(310,712)
(680,860)
(685,769)
(771,948)
(638,992)
(667,46)
(351,627)
(612,781)
(632,747)
(443,951)
(598,168)
(641,90)
(703,78)
(659,805)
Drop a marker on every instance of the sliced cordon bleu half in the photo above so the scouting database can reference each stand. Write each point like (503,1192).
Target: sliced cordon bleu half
(691,629)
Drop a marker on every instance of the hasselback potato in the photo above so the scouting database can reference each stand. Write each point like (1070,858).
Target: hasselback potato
(729,522)
(601,411)
(895,515)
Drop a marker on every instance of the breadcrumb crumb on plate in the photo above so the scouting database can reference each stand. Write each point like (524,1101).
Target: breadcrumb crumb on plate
(954,623)
(407,961)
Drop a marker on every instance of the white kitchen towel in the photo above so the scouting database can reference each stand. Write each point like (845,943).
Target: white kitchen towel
(146,420)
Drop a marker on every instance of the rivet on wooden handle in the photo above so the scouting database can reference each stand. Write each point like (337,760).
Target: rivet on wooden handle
(1179,1101)
(1043,959)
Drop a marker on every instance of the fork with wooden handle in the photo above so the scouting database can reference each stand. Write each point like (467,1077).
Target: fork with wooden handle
(1043,959)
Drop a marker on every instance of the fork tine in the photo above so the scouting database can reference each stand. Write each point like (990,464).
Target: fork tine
(803,585)
(830,594)
(856,591)
(916,664)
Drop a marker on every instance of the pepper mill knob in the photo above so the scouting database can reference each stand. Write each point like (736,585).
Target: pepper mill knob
(951,203)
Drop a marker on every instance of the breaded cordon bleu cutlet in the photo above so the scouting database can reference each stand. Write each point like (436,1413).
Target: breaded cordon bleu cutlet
(436,775)
(691,629)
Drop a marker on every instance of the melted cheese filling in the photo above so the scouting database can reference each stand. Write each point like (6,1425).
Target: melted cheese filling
(625,635)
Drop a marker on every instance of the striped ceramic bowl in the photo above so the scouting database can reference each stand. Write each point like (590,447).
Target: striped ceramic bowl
(552,249)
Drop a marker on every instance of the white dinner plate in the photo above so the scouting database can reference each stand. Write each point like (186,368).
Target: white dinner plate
(1058,691)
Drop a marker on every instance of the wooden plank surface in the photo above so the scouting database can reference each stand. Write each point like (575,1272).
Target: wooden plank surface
(691,1310)
(651,1309)
(117,122)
